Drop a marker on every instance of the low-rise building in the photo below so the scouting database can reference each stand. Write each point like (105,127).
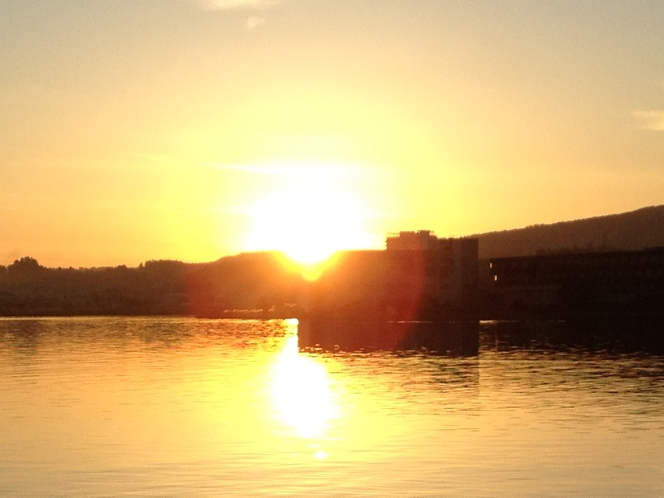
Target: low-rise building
(598,281)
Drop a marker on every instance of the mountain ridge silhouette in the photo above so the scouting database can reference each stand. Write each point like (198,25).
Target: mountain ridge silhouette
(631,230)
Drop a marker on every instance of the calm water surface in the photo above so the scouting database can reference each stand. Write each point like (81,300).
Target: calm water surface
(187,407)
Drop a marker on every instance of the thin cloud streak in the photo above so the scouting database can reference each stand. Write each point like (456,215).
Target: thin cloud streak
(233,210)
(237,4)
(253,22)
(300,170)
(651,120)
(259,170)
(147,155)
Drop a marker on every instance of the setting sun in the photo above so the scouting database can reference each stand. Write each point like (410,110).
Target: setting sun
(309,216)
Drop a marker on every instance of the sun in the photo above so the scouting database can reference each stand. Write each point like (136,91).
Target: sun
(309,215)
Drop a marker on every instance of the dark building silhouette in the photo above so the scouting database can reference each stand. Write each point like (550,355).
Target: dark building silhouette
(418,277)
(560,285)
(363,295)
(432,277)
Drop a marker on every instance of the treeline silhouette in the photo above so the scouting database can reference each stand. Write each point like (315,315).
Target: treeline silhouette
(243,285)
(633,230)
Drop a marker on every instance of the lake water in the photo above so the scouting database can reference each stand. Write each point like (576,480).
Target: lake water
(188,407)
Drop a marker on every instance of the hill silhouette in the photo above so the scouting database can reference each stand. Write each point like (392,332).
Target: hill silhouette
(252,281)
(632,230)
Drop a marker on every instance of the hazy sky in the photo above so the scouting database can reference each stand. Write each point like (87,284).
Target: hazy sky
(193,129)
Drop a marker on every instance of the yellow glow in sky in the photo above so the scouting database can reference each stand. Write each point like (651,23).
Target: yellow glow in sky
(468,117)
(310,217)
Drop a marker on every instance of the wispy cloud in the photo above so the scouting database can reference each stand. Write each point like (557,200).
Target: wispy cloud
(237,4)
(252,22)
(259,170)
(38,95)
(255,6)
(295,170)
(147,155)
(233,210)
(651,120)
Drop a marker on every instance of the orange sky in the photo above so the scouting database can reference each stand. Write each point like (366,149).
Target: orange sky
(190,130)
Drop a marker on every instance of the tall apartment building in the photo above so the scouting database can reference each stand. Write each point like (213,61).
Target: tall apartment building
(433,277)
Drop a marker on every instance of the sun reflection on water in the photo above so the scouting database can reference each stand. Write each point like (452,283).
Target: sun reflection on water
(302,394)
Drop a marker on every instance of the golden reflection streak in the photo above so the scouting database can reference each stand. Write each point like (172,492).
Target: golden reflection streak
(301,393)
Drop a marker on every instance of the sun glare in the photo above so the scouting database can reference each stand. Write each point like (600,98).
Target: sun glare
(309,216)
